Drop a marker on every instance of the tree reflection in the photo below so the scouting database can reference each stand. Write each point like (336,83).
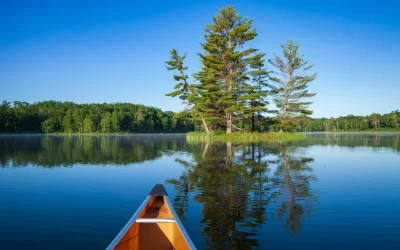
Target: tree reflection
(374,140)
(293,177)
(55,151)
(239,191)
(64,150)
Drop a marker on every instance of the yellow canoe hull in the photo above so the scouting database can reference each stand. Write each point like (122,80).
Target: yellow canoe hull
(155,225)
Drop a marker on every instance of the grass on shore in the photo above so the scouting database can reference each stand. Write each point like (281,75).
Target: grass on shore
(244,137)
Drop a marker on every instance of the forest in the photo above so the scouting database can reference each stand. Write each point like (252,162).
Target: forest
(69,117)
(384,122)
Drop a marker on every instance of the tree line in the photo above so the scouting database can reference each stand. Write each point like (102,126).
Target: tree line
(390,121)
(69,117)
(230,92)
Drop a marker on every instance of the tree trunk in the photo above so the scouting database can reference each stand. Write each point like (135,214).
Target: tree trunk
(229,153)
(253,146)
(252,122)
(284,109)
(205,150)
(229,123)
(205,125)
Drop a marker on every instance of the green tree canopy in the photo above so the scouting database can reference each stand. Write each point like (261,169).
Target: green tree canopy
(291,81)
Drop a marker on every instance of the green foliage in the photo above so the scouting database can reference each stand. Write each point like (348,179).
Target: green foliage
(225,93)
(67,122)
(258,92)
(374,122)
(244,137)
(116,118)
(78,117)
(286,125)
(176,63)
(291,83)
(68,117)
(88,124)
(106,123)
(50,125)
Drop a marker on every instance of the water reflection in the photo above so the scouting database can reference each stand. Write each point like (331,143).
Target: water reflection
(375,140)
(242,192)
(240,187)
(293,176)
(55,151)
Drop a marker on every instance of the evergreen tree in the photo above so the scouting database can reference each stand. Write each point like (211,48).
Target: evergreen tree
(291,82)
(259,91)
(183,89)
(223,93)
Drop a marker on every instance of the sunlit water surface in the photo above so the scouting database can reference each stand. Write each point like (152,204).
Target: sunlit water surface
(329,191)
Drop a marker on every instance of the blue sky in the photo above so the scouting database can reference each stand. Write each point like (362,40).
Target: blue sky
(115,51)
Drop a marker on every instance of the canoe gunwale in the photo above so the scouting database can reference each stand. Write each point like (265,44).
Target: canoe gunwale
(157,191)
(155,220)
(129,224)
(180,225)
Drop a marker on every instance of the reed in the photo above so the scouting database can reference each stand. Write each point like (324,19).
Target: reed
(244,137)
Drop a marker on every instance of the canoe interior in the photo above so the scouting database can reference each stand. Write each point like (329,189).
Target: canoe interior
(154,235)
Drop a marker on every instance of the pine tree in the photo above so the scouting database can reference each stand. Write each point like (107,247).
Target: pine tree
(291,82)
(223,93)
(259,92)
(183,89)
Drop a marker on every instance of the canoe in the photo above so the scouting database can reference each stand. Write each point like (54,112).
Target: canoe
(155,225)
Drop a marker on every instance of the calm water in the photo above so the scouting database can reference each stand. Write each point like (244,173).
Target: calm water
(330,191)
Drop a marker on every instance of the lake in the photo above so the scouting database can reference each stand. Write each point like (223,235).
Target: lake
(328,191)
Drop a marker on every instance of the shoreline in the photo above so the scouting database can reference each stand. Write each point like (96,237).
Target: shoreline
(245,137)
(203,134)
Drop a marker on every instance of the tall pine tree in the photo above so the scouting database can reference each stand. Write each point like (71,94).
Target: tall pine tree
(223,94)
(291,82)
(183,89)
(260,90)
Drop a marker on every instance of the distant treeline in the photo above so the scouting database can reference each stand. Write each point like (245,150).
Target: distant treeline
(69,117)
(374,121)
